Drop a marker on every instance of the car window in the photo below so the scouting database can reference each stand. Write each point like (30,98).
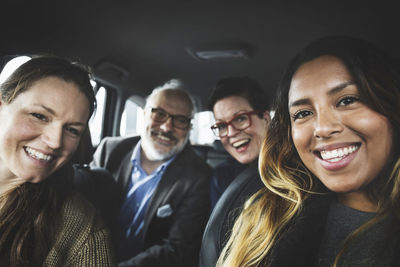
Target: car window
(131,119)
(97,119)
(12,65)
(132,122)
(201,133)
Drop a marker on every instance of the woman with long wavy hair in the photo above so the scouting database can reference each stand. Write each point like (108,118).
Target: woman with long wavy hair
(330,165)
(45,106)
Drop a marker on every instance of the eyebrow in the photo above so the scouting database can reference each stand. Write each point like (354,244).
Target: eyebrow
(332,91)
(234,114)
(52,112)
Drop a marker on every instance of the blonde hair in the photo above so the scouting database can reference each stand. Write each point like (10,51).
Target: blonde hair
(258,226)
(288,183)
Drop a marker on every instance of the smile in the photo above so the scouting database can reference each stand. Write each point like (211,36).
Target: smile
(240,143)
(163,137)
(337,154)
(38,155)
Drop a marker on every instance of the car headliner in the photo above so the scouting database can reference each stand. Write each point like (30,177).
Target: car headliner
(137,45)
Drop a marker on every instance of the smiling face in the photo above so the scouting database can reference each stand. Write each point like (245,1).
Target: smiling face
(243,145)
(161,141)
(40,129)
(339,139)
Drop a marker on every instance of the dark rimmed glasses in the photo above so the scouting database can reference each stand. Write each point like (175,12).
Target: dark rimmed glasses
(178,121)
(239,122)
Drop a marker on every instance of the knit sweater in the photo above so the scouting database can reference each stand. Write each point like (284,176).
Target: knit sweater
(82,239)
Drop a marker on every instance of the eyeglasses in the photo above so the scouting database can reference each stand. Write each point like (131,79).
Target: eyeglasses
(239,122)
(178,121)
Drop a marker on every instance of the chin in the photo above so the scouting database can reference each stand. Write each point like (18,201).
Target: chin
(244,160)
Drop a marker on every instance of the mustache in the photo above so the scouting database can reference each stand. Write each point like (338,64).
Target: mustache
(164,134)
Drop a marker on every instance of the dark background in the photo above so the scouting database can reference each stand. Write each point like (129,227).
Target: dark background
(137,45)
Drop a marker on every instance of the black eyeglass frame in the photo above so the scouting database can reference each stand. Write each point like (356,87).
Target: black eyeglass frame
(173,117)
(215,127)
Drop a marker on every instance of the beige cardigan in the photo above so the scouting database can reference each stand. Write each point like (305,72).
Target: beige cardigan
(83,239)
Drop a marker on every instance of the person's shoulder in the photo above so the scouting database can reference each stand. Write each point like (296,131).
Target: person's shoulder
(229,164)
(115,147)
(189,157)
(80,219)
(82,235)
(119,141)
(77,209)
(230,167)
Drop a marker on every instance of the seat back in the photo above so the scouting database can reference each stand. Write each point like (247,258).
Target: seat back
(214,154)
(99,187)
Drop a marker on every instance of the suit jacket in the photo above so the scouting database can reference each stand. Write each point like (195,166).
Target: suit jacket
(170,239)
(226,210)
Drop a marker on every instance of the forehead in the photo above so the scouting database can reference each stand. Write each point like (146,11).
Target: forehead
(64,98)
(317,75)
(173,101)
(229,106)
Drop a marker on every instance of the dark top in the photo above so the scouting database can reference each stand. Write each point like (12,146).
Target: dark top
(227,209)
(222,177)
(300,243)
(364,250)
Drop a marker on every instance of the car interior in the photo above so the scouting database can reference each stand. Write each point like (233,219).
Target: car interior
(135,46)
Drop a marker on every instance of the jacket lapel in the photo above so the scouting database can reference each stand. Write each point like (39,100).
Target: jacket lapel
(160,197)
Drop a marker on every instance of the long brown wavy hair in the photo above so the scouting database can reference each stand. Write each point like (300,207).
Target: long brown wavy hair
(288,183)
(29,216)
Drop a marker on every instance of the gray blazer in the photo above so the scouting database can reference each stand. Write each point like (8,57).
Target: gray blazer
(170,238)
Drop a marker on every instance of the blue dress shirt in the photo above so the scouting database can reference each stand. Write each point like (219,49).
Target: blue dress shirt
(131,217)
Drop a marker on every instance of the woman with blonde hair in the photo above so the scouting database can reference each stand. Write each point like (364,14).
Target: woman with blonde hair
(330,164)
(45,106)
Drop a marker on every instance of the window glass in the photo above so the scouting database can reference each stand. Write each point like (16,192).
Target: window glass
(132,124)
(201,133)
(11,66)
(96,121)
(132,119)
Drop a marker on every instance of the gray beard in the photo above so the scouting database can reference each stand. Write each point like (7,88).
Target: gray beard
(154,155)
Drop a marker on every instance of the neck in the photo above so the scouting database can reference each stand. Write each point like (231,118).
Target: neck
(358,201)
(149,165)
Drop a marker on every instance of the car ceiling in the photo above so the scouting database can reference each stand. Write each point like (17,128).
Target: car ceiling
(137,45)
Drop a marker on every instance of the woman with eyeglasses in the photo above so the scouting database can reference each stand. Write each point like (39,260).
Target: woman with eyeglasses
(330,164)
(241,113)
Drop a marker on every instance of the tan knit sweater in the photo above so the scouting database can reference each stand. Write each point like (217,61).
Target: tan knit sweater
(83,239)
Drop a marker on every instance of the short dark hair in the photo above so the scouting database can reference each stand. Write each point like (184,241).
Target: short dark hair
(240,86)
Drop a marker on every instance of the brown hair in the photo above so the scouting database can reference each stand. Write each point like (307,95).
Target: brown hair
(29,216)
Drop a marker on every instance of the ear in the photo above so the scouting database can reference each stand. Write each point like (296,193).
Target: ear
(267,116)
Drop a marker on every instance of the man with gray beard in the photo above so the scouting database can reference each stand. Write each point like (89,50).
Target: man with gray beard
(164,185)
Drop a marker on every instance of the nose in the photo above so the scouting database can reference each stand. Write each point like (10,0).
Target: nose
(167,126)
(327,124)
(52,136)
(231,131)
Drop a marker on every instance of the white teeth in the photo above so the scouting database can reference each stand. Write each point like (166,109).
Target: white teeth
(38,155)
(337,154)
(239,143)
(162,137)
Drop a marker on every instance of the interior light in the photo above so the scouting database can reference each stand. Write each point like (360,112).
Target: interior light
(219,54)
(222,54)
